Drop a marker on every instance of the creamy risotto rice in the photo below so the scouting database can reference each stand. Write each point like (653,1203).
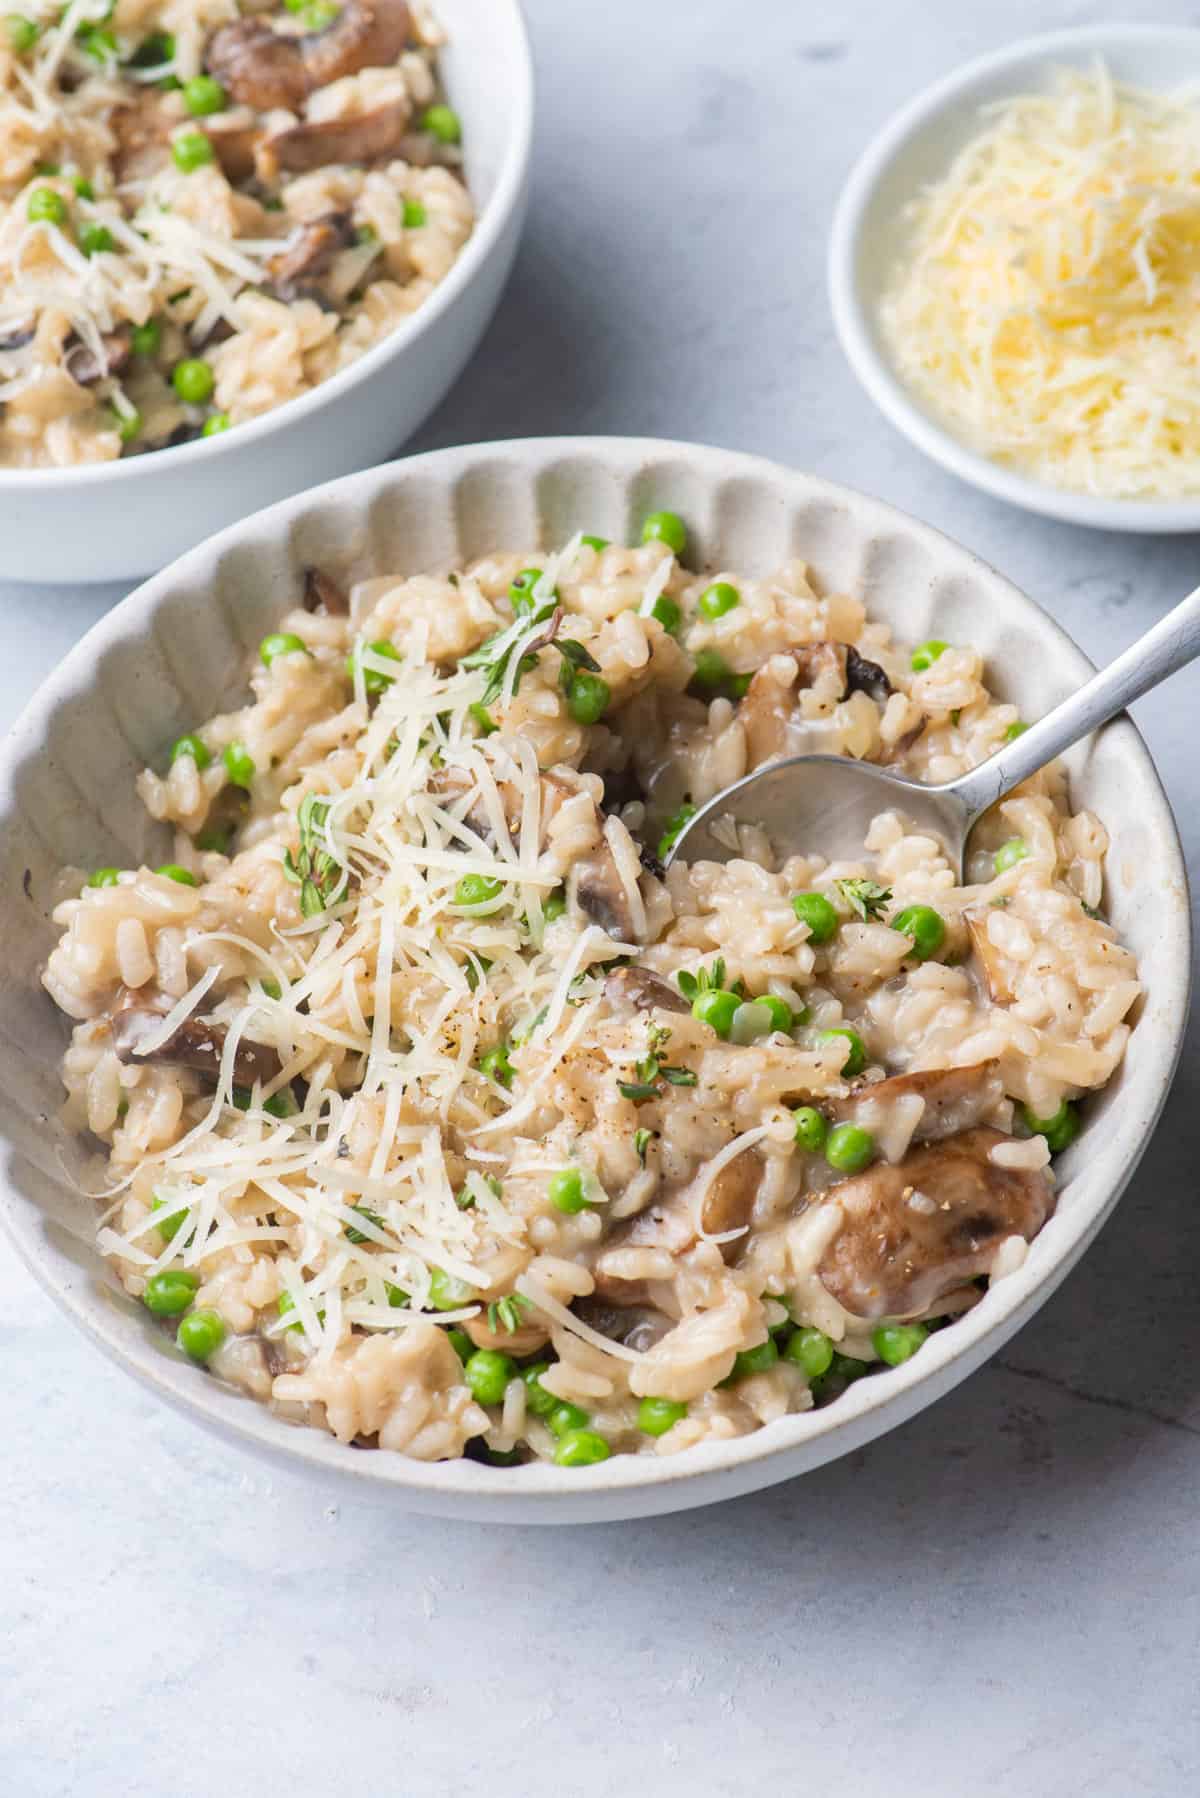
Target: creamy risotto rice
(206,208)
(438,1117)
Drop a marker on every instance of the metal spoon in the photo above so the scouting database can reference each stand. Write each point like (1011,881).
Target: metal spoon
(826,802)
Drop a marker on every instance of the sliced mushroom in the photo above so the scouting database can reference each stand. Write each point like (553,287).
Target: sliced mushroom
(17,340)
(85,366)
(236,139)
(194,1044)
(596,886)
(364,138)
(670,1224)
(263,69)
(866,677)
(990,959)
(309,253)
(924,1227)
(637,989)
(638,1326)
(956,1099)
(322,594)
(768,712)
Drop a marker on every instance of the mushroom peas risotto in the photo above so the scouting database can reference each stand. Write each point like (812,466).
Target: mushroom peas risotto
(439,1117)
(207,208)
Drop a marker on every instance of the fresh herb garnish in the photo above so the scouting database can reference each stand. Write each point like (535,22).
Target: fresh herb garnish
(641,1142)
(704,980)
(353,1234)
(866,897)
(464,1198)
(507,1314)
(496,653)
(321,879)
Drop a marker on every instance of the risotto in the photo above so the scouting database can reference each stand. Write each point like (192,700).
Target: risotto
(438,1115)
(207,208)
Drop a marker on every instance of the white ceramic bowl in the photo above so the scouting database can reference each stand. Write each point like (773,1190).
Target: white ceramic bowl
(916,147)
(115,520)
(176,651)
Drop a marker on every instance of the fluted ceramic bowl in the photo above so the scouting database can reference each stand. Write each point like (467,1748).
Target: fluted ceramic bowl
(177,649)
(112,520)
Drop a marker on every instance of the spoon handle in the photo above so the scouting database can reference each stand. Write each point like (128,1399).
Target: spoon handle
(1170,645)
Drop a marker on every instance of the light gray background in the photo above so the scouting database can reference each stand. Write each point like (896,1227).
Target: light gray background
(1000,1598)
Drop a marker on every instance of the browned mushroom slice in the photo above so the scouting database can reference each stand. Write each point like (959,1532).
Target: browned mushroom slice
(362,139)
(85,366)
(263,69)
(596,887)
(322,594)
(236,141)
(768,711)
(638,1325)
(670,1224)
(194,1044)
(637,989)
(990,959)
(924,1227)
(866,677)
(309,253)
(956,1099)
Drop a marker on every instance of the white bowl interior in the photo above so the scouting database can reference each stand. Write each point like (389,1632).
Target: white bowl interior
(871,233)
(177,650)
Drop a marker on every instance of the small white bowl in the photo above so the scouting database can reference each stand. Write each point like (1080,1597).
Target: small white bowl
(114,520)
(915,148)
(176,651)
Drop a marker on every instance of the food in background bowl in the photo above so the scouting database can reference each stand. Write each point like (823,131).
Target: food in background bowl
(203,214)
(437,1116)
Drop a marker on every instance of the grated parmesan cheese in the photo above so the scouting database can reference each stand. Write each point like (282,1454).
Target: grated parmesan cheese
(1046,309)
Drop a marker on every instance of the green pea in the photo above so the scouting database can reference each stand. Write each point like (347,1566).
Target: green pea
(1060,1131)
(173,871)
(782,1017)
(97,43)
(588,697)
(668,528)
(103,877)
(537,1399)
(443,123)
(22,33)
(520,589)
(287,1303)
(239,764)
(716,1009)
(95,239)
(169,1292)
(447,1292)
(1009,854)
(201,1334)
(398,1299)
(751,1020)
(811,1128)
(811,1350)
(856,1054)
(755,1360)
(214,424)
(459,1341)
(674,830)
(668,612)
(488,1373)
(203,95)
(127,424)
(895,1343)
(280,643)
(926,654)
(146,340)
(596,543)
(815,910)
(1016,729)
(169,1227)
(849,1148)
(581,1448)
(414,215)
(657,1415)
(710,670)
(497,1066)
(45,207)
(554,906)
(83,187)
(374,681)
(191,150)
(718,599)
(477,889)
(566,1416)
(925,926)
(566,1191)
(193,379)
(315,15)
(192,748)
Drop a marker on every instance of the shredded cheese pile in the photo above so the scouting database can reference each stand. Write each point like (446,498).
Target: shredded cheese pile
(1049,308)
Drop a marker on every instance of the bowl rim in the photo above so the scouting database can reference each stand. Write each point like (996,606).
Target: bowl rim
(488,228)
(541,1491)
(854,314)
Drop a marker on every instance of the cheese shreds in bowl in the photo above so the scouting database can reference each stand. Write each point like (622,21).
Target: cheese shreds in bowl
(434,1114)
(1044,307)
(206,210)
